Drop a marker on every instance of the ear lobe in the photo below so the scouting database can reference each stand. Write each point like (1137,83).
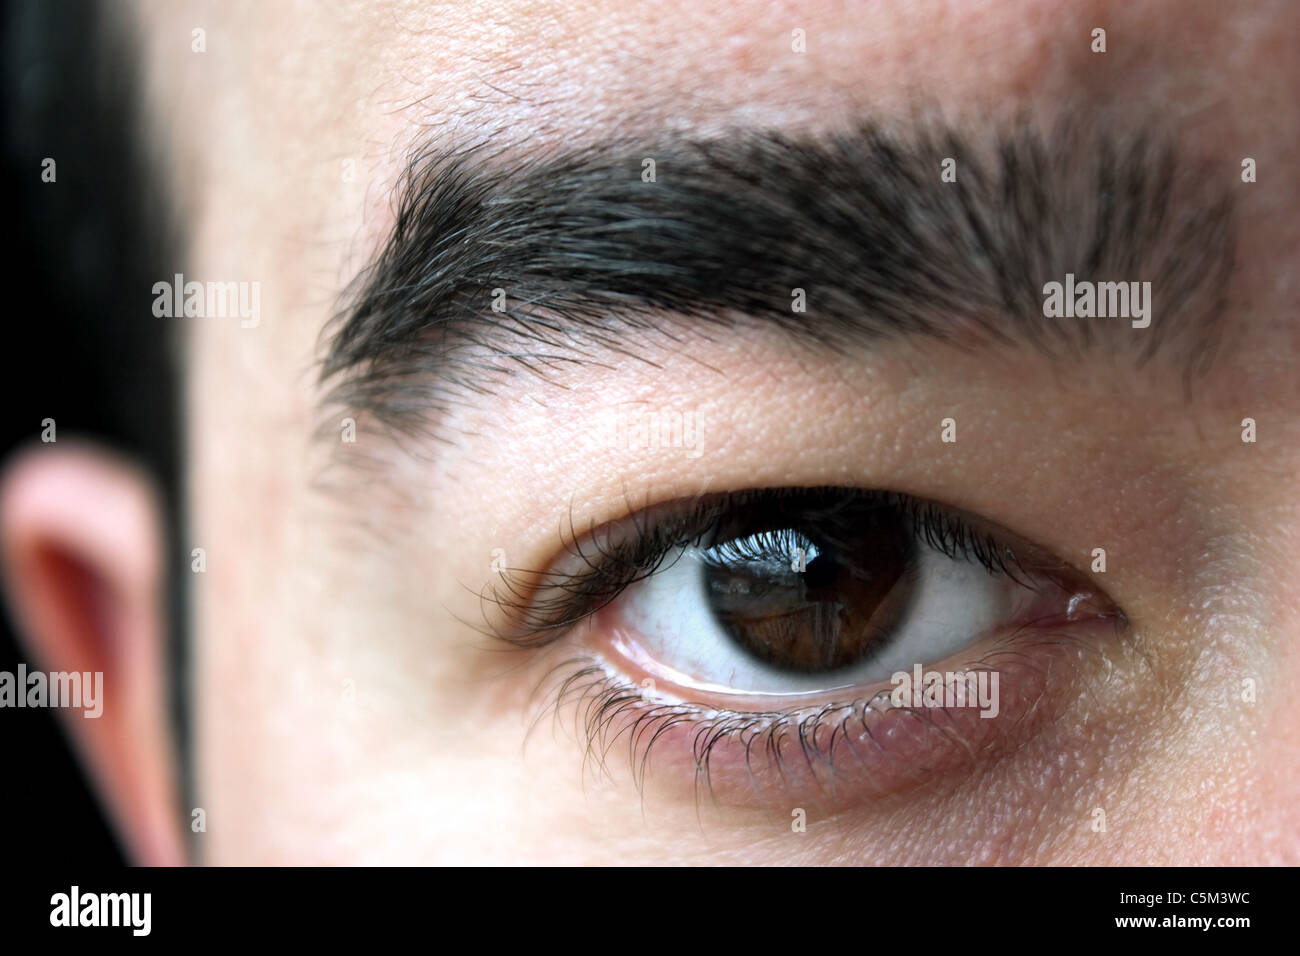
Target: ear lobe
(81,543)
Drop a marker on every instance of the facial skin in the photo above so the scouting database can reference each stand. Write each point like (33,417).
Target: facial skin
(347,705)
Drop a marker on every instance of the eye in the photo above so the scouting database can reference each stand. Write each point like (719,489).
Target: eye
(819,591)
(779,622)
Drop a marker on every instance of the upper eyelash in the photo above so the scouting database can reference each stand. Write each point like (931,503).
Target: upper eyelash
(757,547)
(535,608)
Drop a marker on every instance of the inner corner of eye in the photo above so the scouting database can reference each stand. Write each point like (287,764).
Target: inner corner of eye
(796,592)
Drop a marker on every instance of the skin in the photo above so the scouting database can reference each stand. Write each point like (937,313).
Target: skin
(346,710)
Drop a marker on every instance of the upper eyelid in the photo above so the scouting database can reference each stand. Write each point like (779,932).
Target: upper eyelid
(534,608)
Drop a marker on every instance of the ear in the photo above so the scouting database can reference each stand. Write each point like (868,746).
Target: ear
(81,543)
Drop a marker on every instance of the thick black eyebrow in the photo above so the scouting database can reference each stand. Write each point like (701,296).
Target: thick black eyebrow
(586,252)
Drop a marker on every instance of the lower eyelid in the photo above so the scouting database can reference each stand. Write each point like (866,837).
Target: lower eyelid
(835,754)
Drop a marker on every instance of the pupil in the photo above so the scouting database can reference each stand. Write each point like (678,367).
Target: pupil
(840,608)
(820,573)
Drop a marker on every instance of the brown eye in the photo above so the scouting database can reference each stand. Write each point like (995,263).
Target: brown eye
(886,582)
(816,596)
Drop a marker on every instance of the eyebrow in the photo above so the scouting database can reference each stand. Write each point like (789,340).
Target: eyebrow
(583,252)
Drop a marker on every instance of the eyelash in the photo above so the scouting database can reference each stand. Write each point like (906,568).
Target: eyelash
(608,709)
(537,608)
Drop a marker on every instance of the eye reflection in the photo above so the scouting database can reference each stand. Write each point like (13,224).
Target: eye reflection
(813,599)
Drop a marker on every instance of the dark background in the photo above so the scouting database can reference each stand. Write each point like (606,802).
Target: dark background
(81,344)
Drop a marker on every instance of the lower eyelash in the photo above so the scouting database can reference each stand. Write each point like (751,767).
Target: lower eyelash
(610,713)
(609,710)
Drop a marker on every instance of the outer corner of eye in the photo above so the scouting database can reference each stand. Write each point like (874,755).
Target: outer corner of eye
(805,642)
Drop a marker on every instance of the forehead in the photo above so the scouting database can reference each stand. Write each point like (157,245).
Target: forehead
(310,111)
(555,71)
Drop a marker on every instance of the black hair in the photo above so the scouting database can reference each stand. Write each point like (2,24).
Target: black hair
(96,228)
